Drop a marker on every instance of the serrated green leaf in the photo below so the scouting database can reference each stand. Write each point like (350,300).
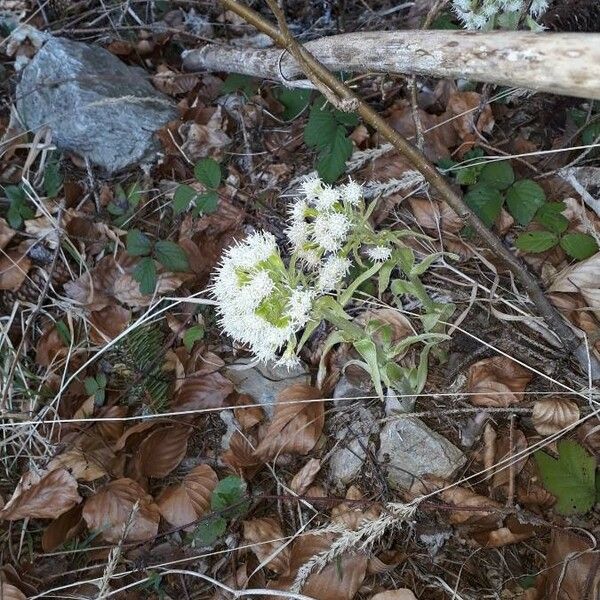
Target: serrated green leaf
(52,180)
(349,119)
(134,194)
(13,216)
(549,215)
(571,477)
(145,274)
(15,193)
(579,245)
(206,203)
(321,128)
(486,202)
(138,243)
(332,159)
(182,198)
(208,172)
(192,335)
(523,200)
(467,175)
(294,100)
(230,493)
(498,175)
(239,83)
(171,256)
(536,241)
(209,530)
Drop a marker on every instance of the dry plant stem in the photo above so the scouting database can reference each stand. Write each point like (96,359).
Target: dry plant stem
(345,98)
(559,63)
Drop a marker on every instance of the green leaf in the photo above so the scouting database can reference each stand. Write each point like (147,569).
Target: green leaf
(138,243)
(368,350)
(210,530)
(134,194)
(208,172)
(15,193)
(145,274)
(206,203)
(321,128)
(239,83)
(192,335)
(523,199)
(486,202)
(444,21)
(549,215)
(13,215)
(332,159)
(294,100)
(536,241)
(498,175)
(230,493)
(571,477)
(182,198)
(91,386)
(52,180)
(467,175)
(579,245)
(349,119)
(591,133)
(63,332)
(171,256)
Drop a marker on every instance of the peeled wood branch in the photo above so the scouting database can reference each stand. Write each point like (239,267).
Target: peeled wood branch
(560,63)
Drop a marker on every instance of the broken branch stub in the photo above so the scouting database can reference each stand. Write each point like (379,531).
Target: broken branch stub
(560,63)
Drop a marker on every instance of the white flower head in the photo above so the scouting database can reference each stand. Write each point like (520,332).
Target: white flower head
(312,187)
(299,307)
(379,253)
(352,193)
(327,198)
(332,271)
(298,212)
(310,258)
(297,234)
(254,249)
(330,230)
(538,7)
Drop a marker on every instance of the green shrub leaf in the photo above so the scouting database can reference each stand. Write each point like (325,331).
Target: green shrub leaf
(551,217)
(192,335)
(571,477)
(138,243)
(523,199)
(294,101)
(210,530)
(536,241)
(183,197)
(332,159)
(498,175)
(171,256)
(52,179)
(230,493)
(208,172)
(579,245)
(145,274)
(206,203)
(486,202)
(321,127)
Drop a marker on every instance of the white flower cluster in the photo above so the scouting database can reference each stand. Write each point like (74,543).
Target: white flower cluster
(478,14)
(256,303)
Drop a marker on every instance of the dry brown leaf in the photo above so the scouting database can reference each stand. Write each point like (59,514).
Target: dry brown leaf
(353,514)
(14,266)
(552,415)
(259,533)
(305,476)
(88,458)
(248,416)
(111,431)
(63,529)
(385,562)
(186,502)
(110,509)
(400,594)
(572,564)
(107,323)
(162,450)
(296,425)
(127,290)
(504,536)
(497,381)
(396,321)
(44,496)
(6,234)
(201,141)
(431,214)
(137,430)
(578,276)
(201,391)
(461,108)
(171,83)
(10,592)
(503,452)
(240,456)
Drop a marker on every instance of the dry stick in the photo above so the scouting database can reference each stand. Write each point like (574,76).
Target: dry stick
(345,99)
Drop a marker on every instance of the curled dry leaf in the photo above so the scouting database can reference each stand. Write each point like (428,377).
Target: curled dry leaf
(202,391)
(504,452)
(385,562)
(131,436)
(431,214)
(14,266)
(354,514)
(172,83)
(110,509)
(400,594)
(497,381)
(162,450)
(240,456)
(186,502)
(578,276)
(296,425)
(305,476)
(50,347)
(552,415)
(204,140)
(6,234)
(261,533)
(65,528)
(107,323)
(44,496)
(400,326)
(248,416)
(10,592)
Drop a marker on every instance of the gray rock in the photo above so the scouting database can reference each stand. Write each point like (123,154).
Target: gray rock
(346,390)
(96,105)
(409,449)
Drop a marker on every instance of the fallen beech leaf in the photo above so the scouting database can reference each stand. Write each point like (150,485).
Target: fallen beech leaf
(42,497)
(111,430)
(109,510)
(62,529)
(240,456)
(460,111)
(581,275)
(572,564)
(10,592)
(14,266)
(353,515)
(107,323)
(431,214)
(497,381)
(49,348)
(260,532)
(296,424)
(552,415)
(204,140)
(172,83)
(400,326)
(203,391)
(135,430)
(6,234)
(127,290)
(385,562)
(186,502)
(305,476)
(503,452)
(162,450)
(87,458)
(400,594)
(250,416)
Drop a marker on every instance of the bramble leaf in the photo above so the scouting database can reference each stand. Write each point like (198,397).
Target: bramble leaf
(523,200)
(145,274)
(536,241)
(579,245)
(138,243)
(171,256)
(486,202)
(498,175)
(208,172)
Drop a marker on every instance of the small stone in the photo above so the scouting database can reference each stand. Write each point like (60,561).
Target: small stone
(410,449)
(346,390)
(96,106)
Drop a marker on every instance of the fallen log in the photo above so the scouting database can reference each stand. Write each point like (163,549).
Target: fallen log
(560,63)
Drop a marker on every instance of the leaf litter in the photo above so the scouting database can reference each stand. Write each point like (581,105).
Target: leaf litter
(132,452)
